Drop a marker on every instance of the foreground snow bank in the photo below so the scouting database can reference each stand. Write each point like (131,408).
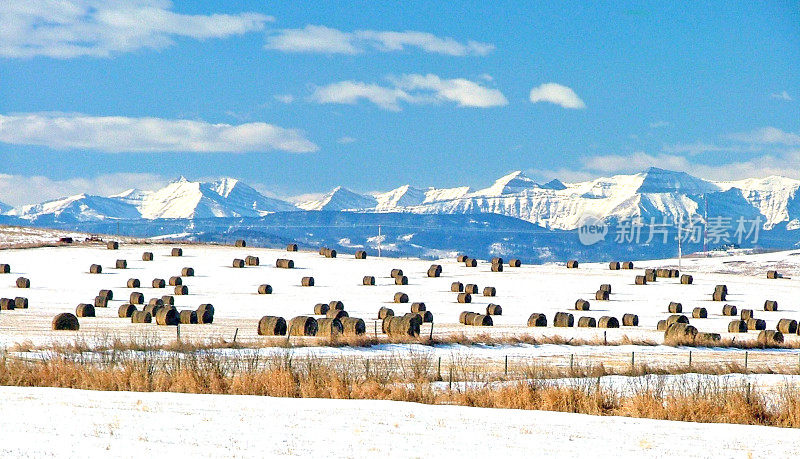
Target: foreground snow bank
(43,422)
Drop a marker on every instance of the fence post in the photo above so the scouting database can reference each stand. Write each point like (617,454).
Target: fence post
(178,332)
(506,365)
(690,359)
(431,336)
(450,377)
(571,362)
(439,369)
(605,338)
(376,328)
(633,360)
(235,334)
(745,365)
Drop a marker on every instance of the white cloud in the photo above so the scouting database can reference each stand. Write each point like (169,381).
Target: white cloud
(415,89)
(284,98)
(556,94)
(70,28)
(18,190)
(346,139)
(122,134)
(783,95)
(659,124)
(767,135)
(321,39)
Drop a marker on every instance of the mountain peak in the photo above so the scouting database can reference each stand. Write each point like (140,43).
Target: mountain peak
(657,180)
(340,198)
(514,183)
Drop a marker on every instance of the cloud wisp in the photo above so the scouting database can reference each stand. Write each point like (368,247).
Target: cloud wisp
(326,40)
(412,89)
(112,134)
(18,190)
(555,93)
(99,28)
(783,95)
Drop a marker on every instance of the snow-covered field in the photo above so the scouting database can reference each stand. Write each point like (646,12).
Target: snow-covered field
(47,422)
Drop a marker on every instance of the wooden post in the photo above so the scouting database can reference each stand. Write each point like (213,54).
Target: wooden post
(745,361)
(690,359)
(178,331)
(235,334)
(506,365)
(571,362)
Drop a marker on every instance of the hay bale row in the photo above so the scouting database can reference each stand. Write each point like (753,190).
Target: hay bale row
(475,319)
(770,338)
(587,322)
(674,307)
(252,261)
(489,291)
(176,252)
(630,320)
(650,275)
(537,320)
(205,314)
(284,263)
(770,305)
(435,271)
(23,282)
(608,322)
(272,326)
(385,312)
(400,297)
(84,310)
(112,245)
(601,295)
(399,327)
(5,268)
(65,321)
(581,305)
(291,247)
(240,243)
(699,313)
(680,331)
(514,263)
(307,281)
(572,264)
(121,264)
(729,310)
(456,287)
(494,310)
(141,317)
(687,279)
(187,316)
(95,269)
(368,280)
(264,289)
(147,256)
(361,255)
(464,298)
(563,319)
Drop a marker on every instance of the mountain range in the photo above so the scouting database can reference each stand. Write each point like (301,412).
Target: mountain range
(654,193)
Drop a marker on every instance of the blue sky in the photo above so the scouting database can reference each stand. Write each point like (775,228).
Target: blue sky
(101,96)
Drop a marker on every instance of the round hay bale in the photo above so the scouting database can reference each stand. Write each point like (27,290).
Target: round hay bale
(65,321)
(773,274)
(240,243)
(5,268)
(141,317)
(272,326)
(284,263)
(606,288)
(322,250)
(112,245)
(497,268)
(704,337)
(563,319)
(264,289)
(650,275)
(95,269)
(188,317)
(627,265)
(427,317)
(464,298)
(168,300)
(514,263)
(330,253)
(456,287)
(729,310)
(107,293)
(136,298)
(630,320)
(737,326)
(661,325)
(147,256)
(7,304)
(126,310)
(401,280)
(537,320)
(680,331)
(156,302)
(674,273)
(152,309)
(494,309)
(159,283)
(400,297)
(770,337)
(360,255)
(746,314)
(307,281)
(252,261)
(674,307)
(687,279)
(489,291)
(641,280)
(336,314)
(84,310)
(770,305)
(482,320)
(100,302)
(572,264)
(291,248)
(587,322)
(699,313)
(756,324)
(396,272)
(608,322)
(175,280)
(601,295)
(662,272)
(471,263)
(368,280)
(122,264)
(336,305)
(472,289)
(133,283)
(722,288)
(353,326)
(466,317)
(187,272)
(238,263)
(497,260)
(205,314)
(582,305)
(461,258)
(435,271)
(418,307)
(177,252)
(181,290)
(614,266)
(20,303)
(677,319)
(320,309)
(385,312)
(787,326)
(330,327)
(402,327)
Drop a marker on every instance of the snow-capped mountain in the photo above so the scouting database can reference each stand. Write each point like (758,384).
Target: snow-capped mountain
(4,207)
(78,208)
(339,199)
